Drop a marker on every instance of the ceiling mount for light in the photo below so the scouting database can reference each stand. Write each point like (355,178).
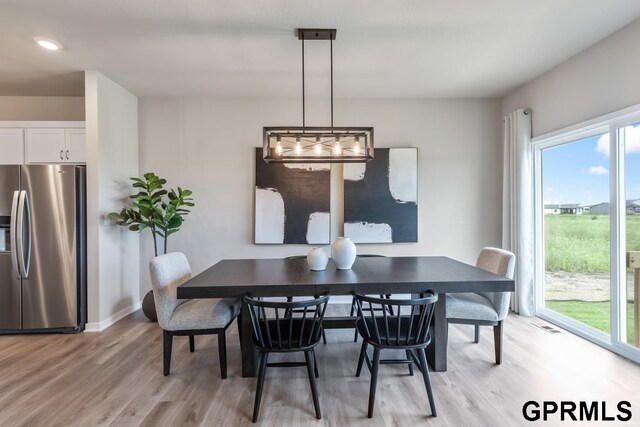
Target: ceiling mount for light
(48,44)
(329,144)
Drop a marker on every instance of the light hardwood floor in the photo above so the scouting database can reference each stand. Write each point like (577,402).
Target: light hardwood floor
(115,378)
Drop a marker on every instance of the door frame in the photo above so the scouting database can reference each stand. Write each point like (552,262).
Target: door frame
(610,123)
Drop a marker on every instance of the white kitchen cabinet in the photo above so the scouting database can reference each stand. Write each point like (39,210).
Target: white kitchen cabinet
(45,145)
(76,146)
(55,145)
(11,146)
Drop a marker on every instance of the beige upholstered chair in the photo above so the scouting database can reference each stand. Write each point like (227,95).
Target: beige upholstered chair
(485,308)
(187,317)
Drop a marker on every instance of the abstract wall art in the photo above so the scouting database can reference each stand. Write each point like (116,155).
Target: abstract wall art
(381,197)
(292,203)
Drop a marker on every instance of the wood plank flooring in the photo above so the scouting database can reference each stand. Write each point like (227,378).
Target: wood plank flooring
(115,378)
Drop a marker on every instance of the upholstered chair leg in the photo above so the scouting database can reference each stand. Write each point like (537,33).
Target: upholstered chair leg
(476,335)
(374,380)
(361,358)
(262,369)
(308,357)
(410,364)
(192,343)
(222,354)
(427,382)
(167,340)
(497,341)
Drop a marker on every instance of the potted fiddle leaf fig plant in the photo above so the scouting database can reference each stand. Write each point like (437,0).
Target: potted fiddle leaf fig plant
(161,211)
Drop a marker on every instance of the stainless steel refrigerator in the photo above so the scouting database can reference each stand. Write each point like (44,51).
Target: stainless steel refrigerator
(42,248)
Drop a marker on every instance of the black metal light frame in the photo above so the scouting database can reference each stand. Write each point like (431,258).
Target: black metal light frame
(316,144)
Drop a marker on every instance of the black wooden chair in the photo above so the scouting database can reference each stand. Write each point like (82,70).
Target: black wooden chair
(278,329)
(290,299)
(407,330)
(353,302)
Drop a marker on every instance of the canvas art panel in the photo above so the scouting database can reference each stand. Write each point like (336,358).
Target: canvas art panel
(292,203)
(381,197)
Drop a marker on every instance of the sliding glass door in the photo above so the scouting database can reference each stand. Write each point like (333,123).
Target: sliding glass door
(629,307)
(588,232)
(576,244)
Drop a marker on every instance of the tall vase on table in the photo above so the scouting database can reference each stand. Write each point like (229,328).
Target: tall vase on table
(343,253)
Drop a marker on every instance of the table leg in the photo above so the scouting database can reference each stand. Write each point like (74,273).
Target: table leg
(249,359)
(437,350)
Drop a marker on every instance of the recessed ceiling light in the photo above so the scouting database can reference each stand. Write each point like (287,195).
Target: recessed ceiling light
(47,43)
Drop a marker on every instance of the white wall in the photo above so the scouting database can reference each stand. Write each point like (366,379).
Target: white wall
(206,144)
(42,108)
(112,157)
(602,79)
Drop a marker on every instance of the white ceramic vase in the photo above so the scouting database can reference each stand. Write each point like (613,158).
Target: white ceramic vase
(317,259)
(343,253)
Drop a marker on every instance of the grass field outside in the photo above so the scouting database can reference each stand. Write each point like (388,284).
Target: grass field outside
(580,244)
(592,313)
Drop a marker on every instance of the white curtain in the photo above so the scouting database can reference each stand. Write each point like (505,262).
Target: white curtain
(517,206)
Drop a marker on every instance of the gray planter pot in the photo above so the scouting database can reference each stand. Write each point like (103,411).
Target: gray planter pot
(149,307)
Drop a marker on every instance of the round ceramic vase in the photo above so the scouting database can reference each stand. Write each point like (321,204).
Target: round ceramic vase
(343,253)
(317,259)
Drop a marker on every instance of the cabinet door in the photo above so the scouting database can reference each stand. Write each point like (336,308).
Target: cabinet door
(76,147)
(45,145)
(11,146)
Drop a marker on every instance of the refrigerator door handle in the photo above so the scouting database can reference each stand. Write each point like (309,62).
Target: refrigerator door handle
(25,257)
(23,262)
(13,230)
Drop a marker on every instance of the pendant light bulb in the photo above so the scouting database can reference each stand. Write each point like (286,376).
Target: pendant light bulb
(356,145)
(337,150)
(279,146)
(298,146)
(318,147)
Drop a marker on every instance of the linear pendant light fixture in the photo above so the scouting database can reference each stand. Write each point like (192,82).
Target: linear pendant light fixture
(309,144)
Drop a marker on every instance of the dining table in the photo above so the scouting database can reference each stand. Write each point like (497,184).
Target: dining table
(415,275)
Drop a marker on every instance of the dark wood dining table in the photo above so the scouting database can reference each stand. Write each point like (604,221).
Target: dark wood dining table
(371,275)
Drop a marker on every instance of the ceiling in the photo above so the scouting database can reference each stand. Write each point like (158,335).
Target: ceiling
(410,48)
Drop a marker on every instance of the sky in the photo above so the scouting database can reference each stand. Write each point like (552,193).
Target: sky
(578,172)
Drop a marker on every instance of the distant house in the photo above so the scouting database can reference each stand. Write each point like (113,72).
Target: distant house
(564,209)
(600,209)
(552,209)
(633,207)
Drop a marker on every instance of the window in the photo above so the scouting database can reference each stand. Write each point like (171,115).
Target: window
(588,254)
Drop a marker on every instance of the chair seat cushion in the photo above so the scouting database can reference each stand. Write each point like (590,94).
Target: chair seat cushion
(204,314)
(470,306)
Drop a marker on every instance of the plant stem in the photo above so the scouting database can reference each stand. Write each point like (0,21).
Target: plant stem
(165,243)
(155,244)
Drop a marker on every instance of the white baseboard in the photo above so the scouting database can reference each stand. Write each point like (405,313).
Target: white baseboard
(104,324)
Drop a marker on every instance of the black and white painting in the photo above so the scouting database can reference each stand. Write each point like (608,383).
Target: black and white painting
(381,197)
(292,203)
